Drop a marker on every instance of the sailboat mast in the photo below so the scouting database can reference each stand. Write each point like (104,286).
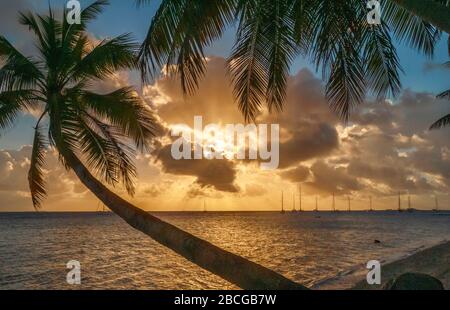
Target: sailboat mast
(293,201)
(300,196)
(349,204)
(436,202)
(282,201)
(334,203)
(317,203)
(399,202)
(370,203)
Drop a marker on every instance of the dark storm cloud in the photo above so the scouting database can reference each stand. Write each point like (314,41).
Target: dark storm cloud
(308,126)
(297,174)
(308,141)
(219,174)
(328,179)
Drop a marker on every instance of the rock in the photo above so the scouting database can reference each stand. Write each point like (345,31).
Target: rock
(376,241)
(414,281)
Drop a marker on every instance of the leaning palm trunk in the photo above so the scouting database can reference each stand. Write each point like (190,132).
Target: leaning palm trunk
(433,12)
(231,267)
(106,129)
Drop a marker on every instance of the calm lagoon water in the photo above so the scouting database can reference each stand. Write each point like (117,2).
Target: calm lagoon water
(306,247)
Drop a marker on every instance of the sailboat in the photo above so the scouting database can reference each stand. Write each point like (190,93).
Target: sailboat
(410,209)
(334,203)
(282,202)
(300,197)
(436,204)
(204,207)
(370,204)
(349,204)
(317,205)
(293,202)
(399,202)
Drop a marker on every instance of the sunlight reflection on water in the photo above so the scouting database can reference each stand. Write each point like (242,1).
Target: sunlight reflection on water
(34,248)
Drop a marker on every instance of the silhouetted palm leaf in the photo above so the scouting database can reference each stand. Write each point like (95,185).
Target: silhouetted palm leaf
(410,28)
(35,175)
(443,122)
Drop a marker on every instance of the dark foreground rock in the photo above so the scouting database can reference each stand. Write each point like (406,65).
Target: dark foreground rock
(414,281)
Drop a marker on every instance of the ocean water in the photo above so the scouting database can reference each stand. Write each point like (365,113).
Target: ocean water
(306,247)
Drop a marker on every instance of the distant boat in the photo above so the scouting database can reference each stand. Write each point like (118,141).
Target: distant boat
(333,204)
(282,202)
(300,198)
(436,203)
(399,202)
(317,205)
(293,202)
(410,209)
(204,207)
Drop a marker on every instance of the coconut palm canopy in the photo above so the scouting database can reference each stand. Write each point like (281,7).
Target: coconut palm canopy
(355,57)
(104,129)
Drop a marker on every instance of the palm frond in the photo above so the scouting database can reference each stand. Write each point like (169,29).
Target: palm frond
(336,48)
(443,122)
(382,66)
(29,19)
(105,59)
(97,151)
(63,126)
(178,34)
(303,14)
(123,153)
(12,103)
(346,88)
(19,71)
(126,111)
(445,94)
(410,28)
(282,50)
(36,178)
(71,33)
(248,63)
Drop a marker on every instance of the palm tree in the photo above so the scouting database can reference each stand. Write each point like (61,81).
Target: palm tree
(97,135)
(355,58)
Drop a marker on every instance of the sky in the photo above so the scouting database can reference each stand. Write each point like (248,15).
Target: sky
(386,148)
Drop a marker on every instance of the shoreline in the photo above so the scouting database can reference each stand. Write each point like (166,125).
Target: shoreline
(433,260)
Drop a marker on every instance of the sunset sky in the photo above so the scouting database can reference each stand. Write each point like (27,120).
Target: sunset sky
(385,148)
